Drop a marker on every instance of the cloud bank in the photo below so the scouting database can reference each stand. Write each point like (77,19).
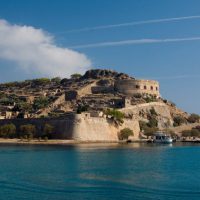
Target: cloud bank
(35,51)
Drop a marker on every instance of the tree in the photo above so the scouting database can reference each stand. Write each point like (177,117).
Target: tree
(82,108)
(195,133)
(28,130)
(117,115)
(8,131)
(40,102)
(125,133)
(153,111)
(153,122)
(148,128)
(186,133)
(22,107)
(193,118)
(76,76)
(179,120)
(56,80)
(48,130)
(41,81)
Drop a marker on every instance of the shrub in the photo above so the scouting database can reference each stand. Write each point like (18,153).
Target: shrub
(28,130)
(148,130)
(153,122)
(56,80)
(153,112)
(178,120)
(125,133)
(41,81)
(195,133)
(48,130)
(143,125)
(22,107)
(40,102)
(75,76)
(8,131)
(150,98)
(115,114)
(186,133)
(82,108)
(193,118)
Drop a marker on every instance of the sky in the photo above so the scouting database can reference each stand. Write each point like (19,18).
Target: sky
(148,39)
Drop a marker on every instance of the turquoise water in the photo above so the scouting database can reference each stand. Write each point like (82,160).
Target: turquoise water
(97,172)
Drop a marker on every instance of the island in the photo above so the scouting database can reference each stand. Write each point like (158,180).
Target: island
(100,106)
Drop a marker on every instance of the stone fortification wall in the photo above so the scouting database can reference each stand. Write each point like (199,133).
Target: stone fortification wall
(80,127)
(131,87)
(100,129)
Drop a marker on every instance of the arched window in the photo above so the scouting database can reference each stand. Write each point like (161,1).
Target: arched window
(151,87)
(137,87)
(145,87)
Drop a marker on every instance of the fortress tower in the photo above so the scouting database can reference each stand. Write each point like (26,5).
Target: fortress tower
(132,86)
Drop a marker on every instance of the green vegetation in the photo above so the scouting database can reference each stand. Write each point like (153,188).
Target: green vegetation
(149,128)
(153,122)
(193,118)
(117,115)
(40,102)
(8,131)
(27,130)
(152,117)
(191,133)
(179,120)
(150,98)
(48,130)
(22,107)
(56,80)
(125,133)
(82,108)
(153,111)
(41,81)
(76,76)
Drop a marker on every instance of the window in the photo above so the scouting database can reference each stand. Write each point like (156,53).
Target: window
(151,87)
(157,88)
(145,87)
(137,87)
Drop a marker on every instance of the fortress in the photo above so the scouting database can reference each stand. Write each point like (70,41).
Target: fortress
(133,86)
(76,107)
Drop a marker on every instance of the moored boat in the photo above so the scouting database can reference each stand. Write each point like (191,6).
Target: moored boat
(160,137)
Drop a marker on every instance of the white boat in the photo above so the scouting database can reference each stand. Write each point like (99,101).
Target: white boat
(160,137)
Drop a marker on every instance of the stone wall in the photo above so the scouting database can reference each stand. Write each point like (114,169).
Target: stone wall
(79,127)
(102,89)
(131,87)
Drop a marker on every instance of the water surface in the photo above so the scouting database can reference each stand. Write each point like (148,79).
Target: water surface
(97,171)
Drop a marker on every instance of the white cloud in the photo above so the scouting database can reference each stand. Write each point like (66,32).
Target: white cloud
(35,51)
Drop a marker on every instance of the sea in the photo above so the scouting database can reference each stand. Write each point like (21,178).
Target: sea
(100,172)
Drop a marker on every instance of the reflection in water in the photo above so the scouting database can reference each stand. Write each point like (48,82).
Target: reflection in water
(100,171)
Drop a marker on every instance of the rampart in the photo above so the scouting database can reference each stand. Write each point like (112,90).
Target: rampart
(80,127)
(131,87)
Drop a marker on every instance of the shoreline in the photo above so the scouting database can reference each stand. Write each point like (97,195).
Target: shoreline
(54,142)
(73,142)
